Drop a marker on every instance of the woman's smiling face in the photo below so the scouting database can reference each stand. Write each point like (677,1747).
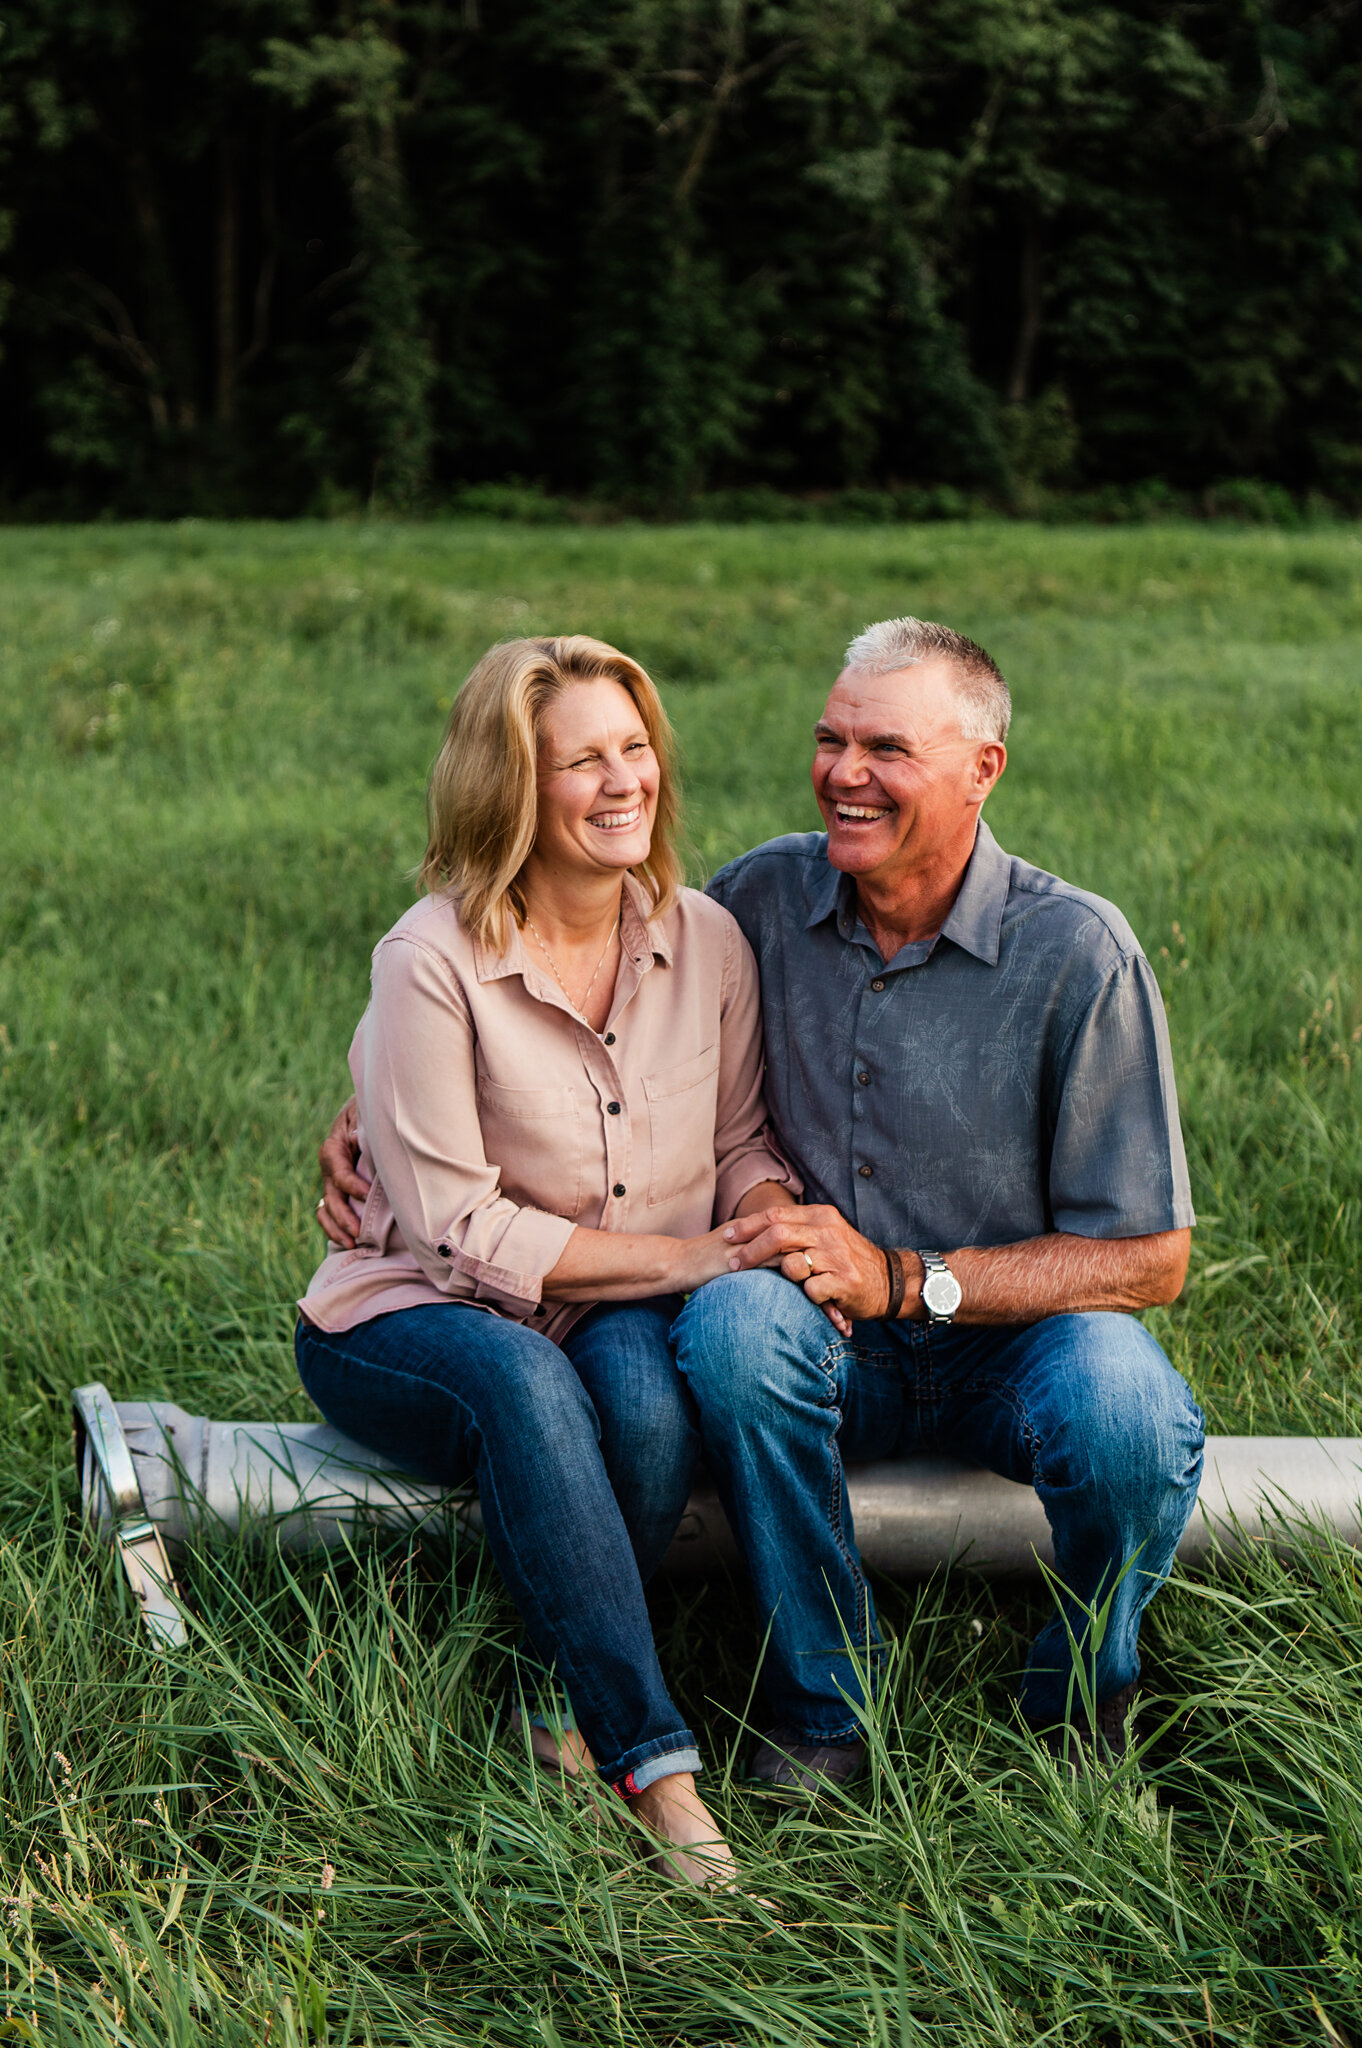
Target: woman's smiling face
(598,781)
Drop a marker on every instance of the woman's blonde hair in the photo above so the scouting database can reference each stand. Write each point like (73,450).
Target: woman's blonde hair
(482,803)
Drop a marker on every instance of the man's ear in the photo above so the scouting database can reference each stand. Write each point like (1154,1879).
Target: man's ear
(989,764)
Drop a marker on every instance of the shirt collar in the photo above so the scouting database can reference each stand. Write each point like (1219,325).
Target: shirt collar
(642,934)
(826,891)
(975,920)
(643,941)
(976,916)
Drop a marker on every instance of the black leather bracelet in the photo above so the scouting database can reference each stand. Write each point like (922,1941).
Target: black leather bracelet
(897,1284)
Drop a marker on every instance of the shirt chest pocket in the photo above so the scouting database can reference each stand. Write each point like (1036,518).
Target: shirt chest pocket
(533,1136)
(682,1107)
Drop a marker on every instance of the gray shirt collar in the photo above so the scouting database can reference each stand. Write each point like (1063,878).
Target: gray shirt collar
(976,916)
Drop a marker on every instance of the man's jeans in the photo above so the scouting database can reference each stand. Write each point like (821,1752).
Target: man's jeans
(583,1458)
(1086,1408)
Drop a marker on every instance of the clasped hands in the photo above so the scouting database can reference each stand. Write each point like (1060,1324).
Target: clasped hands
(843,1272)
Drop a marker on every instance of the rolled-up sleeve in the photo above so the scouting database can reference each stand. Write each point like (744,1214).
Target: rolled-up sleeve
(416,1080)
(1117,1163)
(745,1150)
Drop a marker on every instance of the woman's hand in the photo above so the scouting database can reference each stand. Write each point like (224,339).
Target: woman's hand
(698,1259)
(734,1248)
(838,1269)
(343,1188)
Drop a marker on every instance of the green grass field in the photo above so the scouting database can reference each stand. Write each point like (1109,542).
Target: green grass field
(215,741)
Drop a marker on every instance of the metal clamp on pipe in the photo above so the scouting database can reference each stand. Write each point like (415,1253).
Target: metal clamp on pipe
(100,1443)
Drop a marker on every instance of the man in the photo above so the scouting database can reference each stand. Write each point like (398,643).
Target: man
(968,1064)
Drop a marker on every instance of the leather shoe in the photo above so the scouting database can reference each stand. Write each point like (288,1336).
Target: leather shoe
(782,1763)
(1084,1748)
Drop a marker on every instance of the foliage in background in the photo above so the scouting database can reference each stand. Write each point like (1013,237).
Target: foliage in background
(318,252)
(313,1828)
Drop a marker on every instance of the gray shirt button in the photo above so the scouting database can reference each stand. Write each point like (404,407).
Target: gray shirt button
(877,986)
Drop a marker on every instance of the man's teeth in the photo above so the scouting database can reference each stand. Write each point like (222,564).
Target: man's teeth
(617,821)
(860,811)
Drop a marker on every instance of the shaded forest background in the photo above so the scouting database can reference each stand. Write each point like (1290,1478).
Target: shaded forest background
(283,255)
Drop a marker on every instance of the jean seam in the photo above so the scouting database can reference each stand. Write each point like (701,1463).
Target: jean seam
(1035,1444)
(837,1494)
(582,1685)
(919,1367)
(1001,1388)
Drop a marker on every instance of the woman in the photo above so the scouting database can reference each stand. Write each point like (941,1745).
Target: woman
(559,1098)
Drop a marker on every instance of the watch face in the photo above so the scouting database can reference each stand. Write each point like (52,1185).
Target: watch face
(941,1292)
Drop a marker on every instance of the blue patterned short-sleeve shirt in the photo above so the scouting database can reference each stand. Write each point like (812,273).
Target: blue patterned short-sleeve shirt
(1010,1077)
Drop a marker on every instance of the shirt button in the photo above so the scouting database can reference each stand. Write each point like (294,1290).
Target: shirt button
(609,1038)
(443,1250)
(619,1189)
(877,986)
(864,1078)
(866,1172)
(613,1108)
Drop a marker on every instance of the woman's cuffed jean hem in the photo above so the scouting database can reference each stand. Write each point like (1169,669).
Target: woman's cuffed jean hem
(639,1768)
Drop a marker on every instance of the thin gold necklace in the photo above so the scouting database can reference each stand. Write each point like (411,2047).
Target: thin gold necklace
(580,1008)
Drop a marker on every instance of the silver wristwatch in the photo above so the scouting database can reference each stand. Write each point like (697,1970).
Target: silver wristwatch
(941,1291)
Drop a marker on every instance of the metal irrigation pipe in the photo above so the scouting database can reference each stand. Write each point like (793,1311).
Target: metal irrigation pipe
(152,1477)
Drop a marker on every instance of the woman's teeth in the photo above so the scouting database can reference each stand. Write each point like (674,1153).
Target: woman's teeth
(616,821)
(861,811)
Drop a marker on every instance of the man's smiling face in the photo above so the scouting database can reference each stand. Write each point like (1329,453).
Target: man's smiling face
(898,784)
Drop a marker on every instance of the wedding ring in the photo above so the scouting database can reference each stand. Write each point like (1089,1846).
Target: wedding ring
(321,1205)
(810,1263)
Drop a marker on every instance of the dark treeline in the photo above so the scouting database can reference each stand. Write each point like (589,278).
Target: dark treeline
(276,254)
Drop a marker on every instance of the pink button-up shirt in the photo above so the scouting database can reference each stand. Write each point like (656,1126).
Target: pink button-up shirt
(493,1120)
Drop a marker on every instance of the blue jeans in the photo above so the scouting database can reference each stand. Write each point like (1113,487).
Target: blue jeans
(583,1458)
(1085,1408)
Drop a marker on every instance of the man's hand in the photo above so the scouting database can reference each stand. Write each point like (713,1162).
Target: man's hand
(344,1191)
(817,1248)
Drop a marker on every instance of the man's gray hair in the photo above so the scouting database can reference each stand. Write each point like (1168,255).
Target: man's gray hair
(985,700)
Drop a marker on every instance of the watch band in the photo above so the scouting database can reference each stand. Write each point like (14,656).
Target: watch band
(932,1264)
